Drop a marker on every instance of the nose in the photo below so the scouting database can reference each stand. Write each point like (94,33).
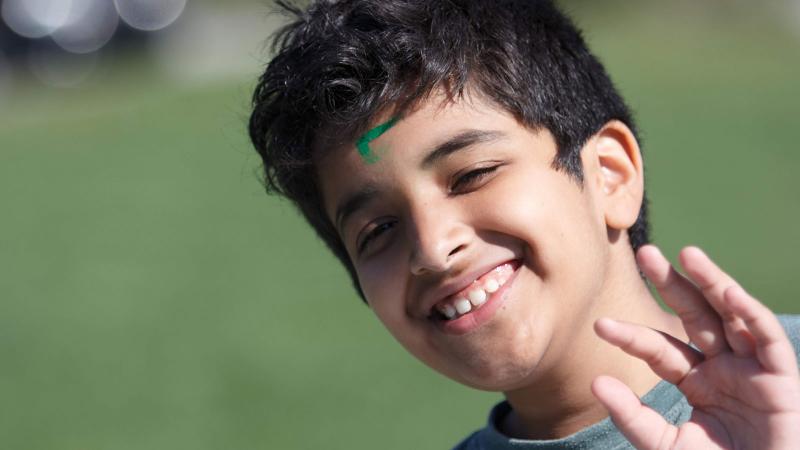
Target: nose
(438,239)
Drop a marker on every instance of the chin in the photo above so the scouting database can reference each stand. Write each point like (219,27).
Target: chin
(496,371)
(499,378)
(503,356)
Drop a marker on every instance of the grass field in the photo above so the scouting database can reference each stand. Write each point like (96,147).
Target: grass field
(152,297)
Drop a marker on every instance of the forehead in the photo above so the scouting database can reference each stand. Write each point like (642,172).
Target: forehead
(401,143)
(404,150)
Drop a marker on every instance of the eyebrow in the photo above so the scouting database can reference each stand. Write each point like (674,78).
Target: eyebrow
(353,203)
(460,141)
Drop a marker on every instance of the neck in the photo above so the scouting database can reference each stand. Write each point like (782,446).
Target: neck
(558,402)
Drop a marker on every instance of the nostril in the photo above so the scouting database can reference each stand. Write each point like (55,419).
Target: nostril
(456,250)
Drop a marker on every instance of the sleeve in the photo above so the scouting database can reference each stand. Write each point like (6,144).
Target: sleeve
(791,324)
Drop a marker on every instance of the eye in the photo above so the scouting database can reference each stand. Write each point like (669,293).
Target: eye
(471,179)
(373,232)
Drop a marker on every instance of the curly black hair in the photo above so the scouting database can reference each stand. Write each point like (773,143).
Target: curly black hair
(341,63)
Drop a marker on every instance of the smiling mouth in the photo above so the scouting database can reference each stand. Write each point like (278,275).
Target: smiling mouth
(477,294)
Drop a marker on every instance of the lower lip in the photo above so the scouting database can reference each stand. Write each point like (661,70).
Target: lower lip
(474,319)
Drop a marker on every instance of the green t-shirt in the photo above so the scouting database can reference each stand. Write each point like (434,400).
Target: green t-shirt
(664,398)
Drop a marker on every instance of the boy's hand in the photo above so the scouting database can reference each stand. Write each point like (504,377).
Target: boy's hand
(744,386)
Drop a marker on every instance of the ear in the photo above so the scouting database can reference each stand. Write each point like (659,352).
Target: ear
(620,177)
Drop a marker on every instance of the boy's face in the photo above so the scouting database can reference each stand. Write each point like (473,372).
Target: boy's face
(463,194)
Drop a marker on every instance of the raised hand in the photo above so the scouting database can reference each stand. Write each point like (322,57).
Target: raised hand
(743,383)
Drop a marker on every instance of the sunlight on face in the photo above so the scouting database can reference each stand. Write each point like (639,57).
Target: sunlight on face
(464,193)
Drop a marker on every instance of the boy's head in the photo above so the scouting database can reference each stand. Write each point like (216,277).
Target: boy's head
(439,148)
(342,63)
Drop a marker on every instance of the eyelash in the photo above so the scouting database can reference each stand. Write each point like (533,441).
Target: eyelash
(373,234)
(471,178)
(468,179)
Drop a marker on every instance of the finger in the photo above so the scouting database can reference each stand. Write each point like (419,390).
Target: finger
(642,426)
(713,282)
(739,338)
(772,346)
(700,320)
(669,358)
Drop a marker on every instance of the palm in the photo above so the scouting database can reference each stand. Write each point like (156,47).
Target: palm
(744,386)
(737,404)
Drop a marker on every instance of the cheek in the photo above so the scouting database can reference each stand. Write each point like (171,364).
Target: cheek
(544,203)
(384,289)
(553,217)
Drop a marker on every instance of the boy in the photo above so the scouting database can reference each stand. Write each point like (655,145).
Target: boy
(473,167)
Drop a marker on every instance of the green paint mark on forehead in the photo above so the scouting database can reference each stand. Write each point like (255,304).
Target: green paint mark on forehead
(366,153)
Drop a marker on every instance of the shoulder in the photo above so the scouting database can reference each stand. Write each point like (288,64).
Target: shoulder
(488,437)
(470,443)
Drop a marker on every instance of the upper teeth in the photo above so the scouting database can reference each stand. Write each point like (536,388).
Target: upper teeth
(462,305)
(476,295)
(449,311)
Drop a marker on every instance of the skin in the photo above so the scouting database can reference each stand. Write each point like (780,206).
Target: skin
(545,347)
(743,386)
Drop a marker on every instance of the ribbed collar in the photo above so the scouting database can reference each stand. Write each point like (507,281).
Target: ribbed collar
(664,398)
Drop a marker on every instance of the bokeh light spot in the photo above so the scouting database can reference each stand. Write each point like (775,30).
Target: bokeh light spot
(149,15)
(35,18)
(90,26)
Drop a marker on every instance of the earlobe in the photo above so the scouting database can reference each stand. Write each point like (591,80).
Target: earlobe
(621,174)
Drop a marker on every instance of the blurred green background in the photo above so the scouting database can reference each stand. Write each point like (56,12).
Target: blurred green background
(152,297)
